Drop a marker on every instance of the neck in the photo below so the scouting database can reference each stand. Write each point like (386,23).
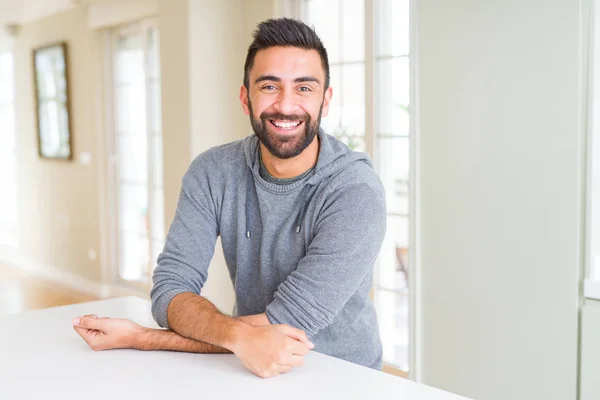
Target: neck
(291,167)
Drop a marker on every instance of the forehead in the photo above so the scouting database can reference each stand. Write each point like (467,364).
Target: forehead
(287,62)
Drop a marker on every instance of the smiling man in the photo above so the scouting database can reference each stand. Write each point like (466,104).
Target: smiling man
(301,219)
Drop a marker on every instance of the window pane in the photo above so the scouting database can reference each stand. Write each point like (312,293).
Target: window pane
(8,200)
(157,248)
(393,95)
(132,159)
(331,123)
(133,209)
(393,259)
(130,109)
(133,257)
(154,109)
(391,297)
(158,212)
(157,164)
(356,143)
(324,17)
(392,314)
(50,75)
(353,98)
(7,132)
(394,163)
(153,56)
(54,120)
(353,30)
(129,60)
(6,79)
(393,21)
(347,107)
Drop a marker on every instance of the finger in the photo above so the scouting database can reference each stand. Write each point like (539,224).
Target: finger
(299,348)
(89,322)
(91,315)
(84,333)
(298,335)
(89,336)
(296,361)
(282,369)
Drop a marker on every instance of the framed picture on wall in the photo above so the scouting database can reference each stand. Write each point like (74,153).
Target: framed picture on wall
(52,101)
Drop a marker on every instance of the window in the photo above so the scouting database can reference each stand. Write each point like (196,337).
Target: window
(345,29)
(137,194)
(340,24)
(8,200)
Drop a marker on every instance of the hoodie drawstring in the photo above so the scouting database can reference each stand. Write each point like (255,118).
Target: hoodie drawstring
(303,207)
(250,203)
(249,198)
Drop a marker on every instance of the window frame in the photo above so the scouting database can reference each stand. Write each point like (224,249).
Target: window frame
(111,35)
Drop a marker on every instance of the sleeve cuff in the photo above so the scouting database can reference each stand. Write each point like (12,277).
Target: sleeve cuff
(160,306)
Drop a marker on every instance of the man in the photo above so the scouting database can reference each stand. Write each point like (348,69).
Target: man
(301,220)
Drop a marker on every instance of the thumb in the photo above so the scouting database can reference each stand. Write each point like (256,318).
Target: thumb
(297,334)
(88,322)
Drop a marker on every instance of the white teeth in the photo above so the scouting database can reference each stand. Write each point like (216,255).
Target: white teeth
(286,125)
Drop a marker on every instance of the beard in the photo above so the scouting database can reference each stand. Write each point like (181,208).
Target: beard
(284,146)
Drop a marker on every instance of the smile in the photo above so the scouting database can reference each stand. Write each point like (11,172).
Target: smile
(281,124)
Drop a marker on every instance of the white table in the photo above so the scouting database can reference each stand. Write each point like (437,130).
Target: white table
(41,357)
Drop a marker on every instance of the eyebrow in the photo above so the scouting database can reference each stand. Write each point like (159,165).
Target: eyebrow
(277,79)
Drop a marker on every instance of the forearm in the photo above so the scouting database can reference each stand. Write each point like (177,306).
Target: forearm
(194,317)
(160,339)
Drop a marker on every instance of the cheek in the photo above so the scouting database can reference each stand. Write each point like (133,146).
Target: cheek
(259,105)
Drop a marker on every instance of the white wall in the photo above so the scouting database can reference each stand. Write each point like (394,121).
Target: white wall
(500,166)
(595,152)
(590,351)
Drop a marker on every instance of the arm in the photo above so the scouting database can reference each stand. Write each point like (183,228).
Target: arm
(348,237)
(117,333)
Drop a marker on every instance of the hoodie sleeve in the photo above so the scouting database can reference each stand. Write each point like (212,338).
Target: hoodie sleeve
(189,246)
(348,237)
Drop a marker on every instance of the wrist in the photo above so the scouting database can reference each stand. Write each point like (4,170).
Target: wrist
(239,333)
(142,339)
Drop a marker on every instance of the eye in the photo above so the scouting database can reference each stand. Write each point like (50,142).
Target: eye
(304,89)
(269,87)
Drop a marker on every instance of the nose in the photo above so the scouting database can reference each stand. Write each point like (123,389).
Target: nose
(286,103)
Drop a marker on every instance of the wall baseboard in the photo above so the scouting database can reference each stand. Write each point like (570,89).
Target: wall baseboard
(54,274)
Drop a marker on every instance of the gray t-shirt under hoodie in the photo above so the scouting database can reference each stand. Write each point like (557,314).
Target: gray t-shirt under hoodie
(302,252)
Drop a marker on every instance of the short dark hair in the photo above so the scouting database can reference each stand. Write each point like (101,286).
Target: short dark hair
(286,32)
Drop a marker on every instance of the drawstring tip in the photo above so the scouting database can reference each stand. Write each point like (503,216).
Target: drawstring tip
(298,229)
(248,234)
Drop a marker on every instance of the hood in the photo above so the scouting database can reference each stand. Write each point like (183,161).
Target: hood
(333,156)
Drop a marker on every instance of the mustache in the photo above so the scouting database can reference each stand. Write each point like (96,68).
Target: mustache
(266,115)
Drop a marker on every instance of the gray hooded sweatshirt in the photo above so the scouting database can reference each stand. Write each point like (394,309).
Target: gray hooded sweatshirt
(302,253)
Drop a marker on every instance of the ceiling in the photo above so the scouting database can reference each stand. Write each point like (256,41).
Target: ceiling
(18,12)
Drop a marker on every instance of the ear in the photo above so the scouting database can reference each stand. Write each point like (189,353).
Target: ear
(326,101)
(244,99)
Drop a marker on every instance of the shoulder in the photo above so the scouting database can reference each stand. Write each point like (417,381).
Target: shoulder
(356,176)
(217,162)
